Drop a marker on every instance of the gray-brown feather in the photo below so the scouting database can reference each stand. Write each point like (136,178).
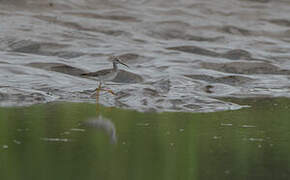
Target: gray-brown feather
(103,75)
(98,73)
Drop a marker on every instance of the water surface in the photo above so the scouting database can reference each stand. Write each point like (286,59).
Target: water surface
(183,55)
(71,141)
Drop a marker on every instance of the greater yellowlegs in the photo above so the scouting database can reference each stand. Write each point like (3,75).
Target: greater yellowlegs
(106,74)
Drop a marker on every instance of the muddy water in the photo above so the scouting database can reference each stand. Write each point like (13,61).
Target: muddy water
(183,55)
(69,141)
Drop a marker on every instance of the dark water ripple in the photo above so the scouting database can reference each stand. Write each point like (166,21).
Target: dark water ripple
(183,55)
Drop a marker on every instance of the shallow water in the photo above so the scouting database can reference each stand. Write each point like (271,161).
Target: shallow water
(71,141)
(183,55)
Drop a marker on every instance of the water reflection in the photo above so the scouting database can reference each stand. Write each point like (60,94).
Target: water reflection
(69,141)
(104,124)
(101,123)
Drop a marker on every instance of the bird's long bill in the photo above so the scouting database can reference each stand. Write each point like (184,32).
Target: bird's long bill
(123,63)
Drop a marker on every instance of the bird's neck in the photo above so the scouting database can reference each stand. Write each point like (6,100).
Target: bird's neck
(115,67)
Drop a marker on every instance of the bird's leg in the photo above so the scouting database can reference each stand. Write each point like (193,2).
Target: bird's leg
(98,93)
(98,89)
(108,90)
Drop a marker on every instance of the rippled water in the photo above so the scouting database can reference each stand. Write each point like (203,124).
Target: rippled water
(183,55)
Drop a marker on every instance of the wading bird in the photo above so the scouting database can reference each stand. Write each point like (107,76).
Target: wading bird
(106,74)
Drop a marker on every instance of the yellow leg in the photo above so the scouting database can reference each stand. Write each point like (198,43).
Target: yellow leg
(101,89)
(108,90)
(97,99)
(98,93)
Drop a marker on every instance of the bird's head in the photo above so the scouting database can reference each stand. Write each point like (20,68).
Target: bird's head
(116,59)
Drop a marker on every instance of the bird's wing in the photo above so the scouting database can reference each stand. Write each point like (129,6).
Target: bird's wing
(98,73)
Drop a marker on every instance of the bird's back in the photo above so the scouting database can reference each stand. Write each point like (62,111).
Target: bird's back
(105,74)
(98,73)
